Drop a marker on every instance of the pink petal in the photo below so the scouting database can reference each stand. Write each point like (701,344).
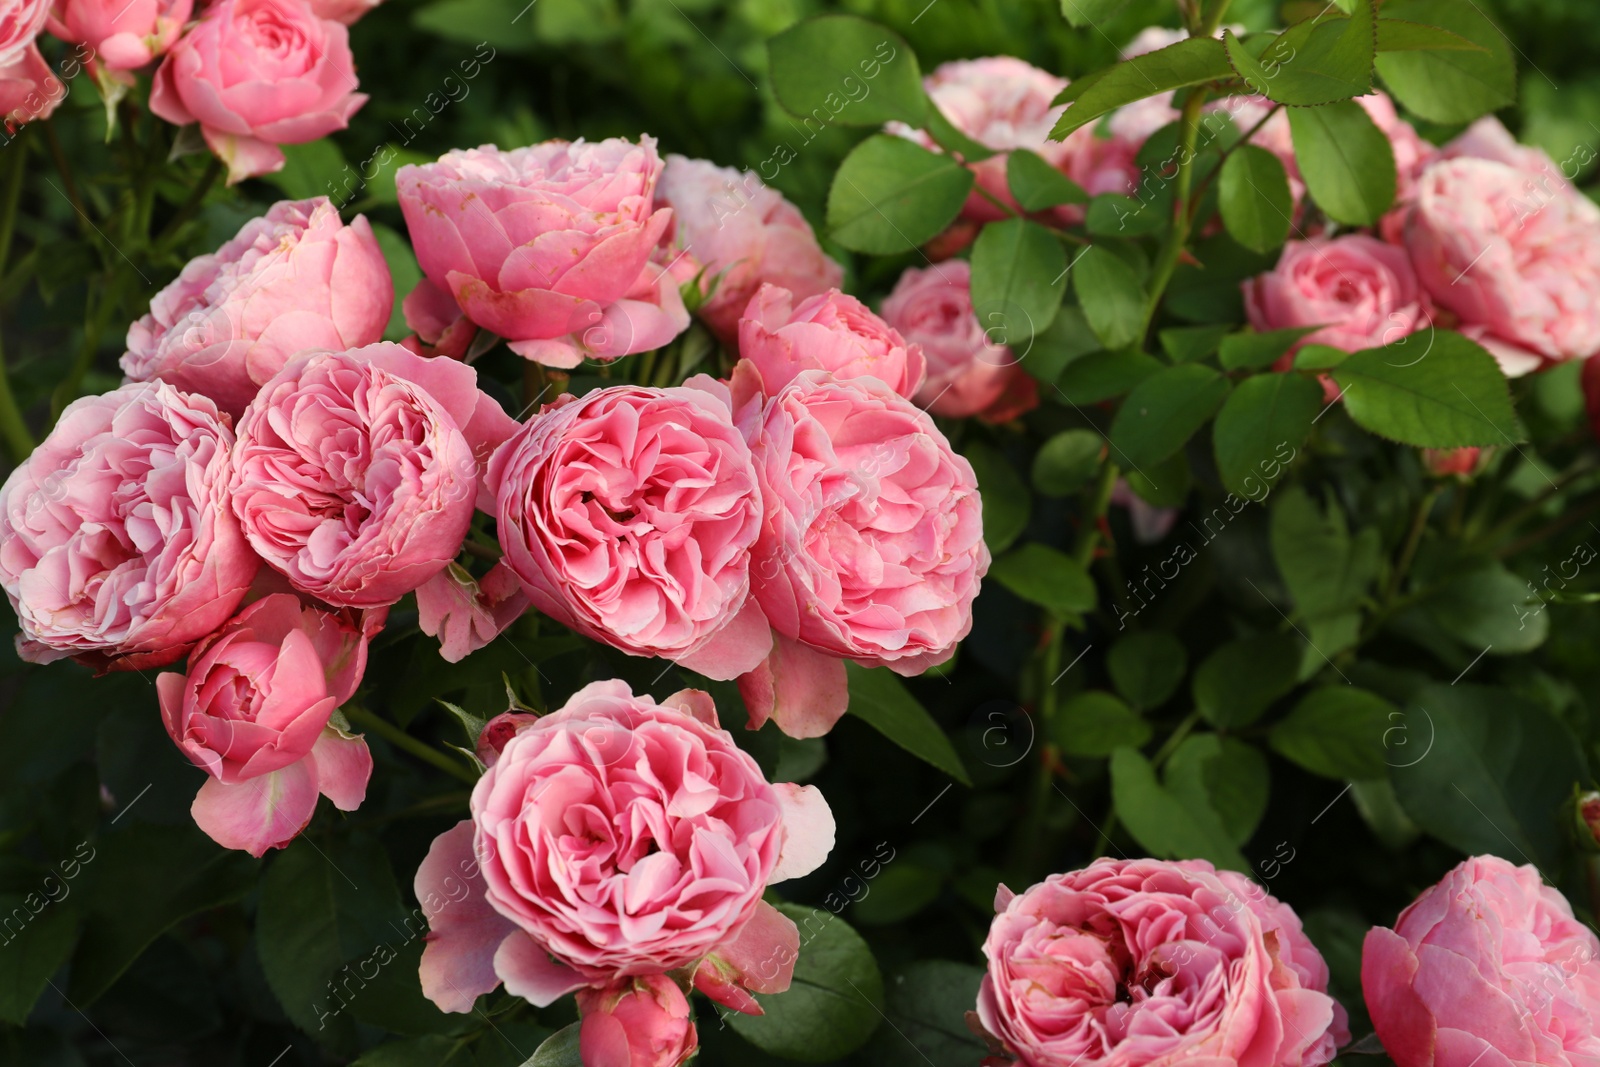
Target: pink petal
(1403,1022)
(603,1042)
(737,648)
(259,813)
(344,765)
(761,956)
(695,702)
(463,929)
(804,690)
(531,974)
(808,831)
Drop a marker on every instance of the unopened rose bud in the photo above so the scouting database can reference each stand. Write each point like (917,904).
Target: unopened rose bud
(636,1022)
(1463,463)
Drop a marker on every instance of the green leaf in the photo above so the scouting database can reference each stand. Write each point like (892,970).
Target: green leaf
(471,725)
(1165,484)
(1346,161)
(1327,572)
(1496,776)
(1111,296)
(1262,426)
(834,1003)
(1104,375)
(1208,290)
(432,1051)
(899,891)
(1116,215)
(1489,607)
(475,21)
(854,72)
(1081,13)
(1019,275)
(1068,338)
(949,138)
(1037,186)
(1254,198)
(1315,357)
(1165,410)
(1192,61)
(1398,35)
(1225,774)
(314,168)
(1190,344)
(890,195)
(1450,86)
(37,937)
(1240,680)
(1096,723)
(1147,667)
(1164,825)
(1043,576)
(568,22)
(1337,732)
(1313,62)
(1006,503)
(1249,350)
(927,1000)
(1451,395)
(1067,461)
(879,699)
(560,1049)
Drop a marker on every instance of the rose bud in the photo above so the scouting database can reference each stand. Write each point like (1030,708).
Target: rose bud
(832,331)
(122,35)
(635,1022)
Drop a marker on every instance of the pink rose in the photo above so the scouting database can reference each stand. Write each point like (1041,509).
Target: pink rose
(629,515)
(871,546)
(294,280)
(1514,253)
(20,23)
(742,234)
(256,74)
(636,1022)
(831,331)
(122,34)
(1489,966)
(614,838)
(116,543)
(1361,290)
(1141,962)
(253,712)
(549,246)
(968,374)
(356,472)
(1488,138)
(29,89)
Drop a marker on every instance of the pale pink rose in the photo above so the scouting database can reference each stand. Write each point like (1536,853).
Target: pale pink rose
(831,331)
(636,1022)
(252,711)
(629,515)
(1361,290)
(29,89)
(548,247)
(116,543)
(294,280)
(871,546)
(1488,138)
(1143,963)
(1487,967)
(968,374)
(356,472)
(741,234)
(613,838)
(122,34)
(20,23)
(256,74)
(348,12)
(1511,251)
(466,614)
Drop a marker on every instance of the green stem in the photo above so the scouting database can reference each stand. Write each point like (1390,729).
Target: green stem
(1177,737)
(1167,261)
(12,425)
(400,739)
(53,143)
(1099,500)
(187,209)
(1533,506)
(1408,552)
(1549,530)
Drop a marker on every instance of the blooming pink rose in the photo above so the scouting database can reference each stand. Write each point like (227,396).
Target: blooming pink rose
(629,515)
(741,234)
(1487,967)
(1488,138)
(256,74)
(29,89)
(294,280)
(20,23)
(636,1022)
(1362,291)
(871,545)
(831,331)
(549,246)
(465,614)
(122,34)
(1511,252)
(612,838)
(968,373)
(1142,963)
(252,711)
(356,472)
(116,543)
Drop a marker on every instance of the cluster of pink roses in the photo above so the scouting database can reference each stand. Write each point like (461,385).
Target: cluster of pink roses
(1159,964)
(254,74)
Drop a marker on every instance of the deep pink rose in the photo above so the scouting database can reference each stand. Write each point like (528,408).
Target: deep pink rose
(294,280)
(742,234)
(1515,253)
(1361,290)
(252,711)
(116,543)
(831,331)
(612,838)
(629,514)
(20,23)
(1488,967)
(256,74)
(871,546)
(1143,963)
(549,246)
(636,1022)
(122,34)
(969,373)
(356,472)
(29,89)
